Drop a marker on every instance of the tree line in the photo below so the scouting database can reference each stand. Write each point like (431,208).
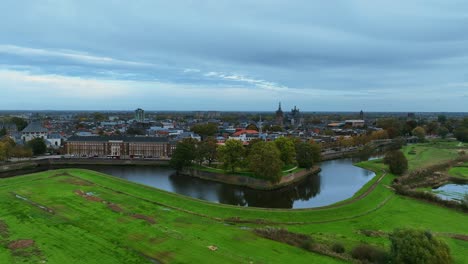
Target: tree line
(265,159)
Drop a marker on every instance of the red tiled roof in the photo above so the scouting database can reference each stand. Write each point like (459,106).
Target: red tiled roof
(245,131)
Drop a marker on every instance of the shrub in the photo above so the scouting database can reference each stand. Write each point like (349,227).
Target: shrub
(368,253)
(338,248)
(417,246)
(397,162)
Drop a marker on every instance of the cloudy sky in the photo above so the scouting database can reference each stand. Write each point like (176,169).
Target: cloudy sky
(344,55)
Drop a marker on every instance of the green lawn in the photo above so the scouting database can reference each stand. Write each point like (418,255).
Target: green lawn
(460,171)
(427,154)
(122,222)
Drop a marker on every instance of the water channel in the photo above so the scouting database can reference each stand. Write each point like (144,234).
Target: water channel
(337,181)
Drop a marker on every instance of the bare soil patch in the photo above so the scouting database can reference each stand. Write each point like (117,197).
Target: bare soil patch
(114,207)
(460,237)
(148,219)
(77,182)
(4,231)
(88,196)
(20,244)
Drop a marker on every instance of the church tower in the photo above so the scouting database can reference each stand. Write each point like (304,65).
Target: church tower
(279,116)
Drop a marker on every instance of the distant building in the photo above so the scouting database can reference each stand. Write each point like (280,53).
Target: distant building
(34,130)
(361,115)
(355,123)
(120,147)
(140,115)
(279,116)
(295,117)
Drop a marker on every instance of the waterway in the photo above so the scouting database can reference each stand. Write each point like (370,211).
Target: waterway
(337,181)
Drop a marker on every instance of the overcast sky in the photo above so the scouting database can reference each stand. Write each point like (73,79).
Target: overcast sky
(234,55)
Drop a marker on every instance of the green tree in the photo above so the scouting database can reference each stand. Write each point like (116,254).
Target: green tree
(3,132)
(461,132)
(205,130)
(19,122)
(184,154)
(442,119)
(419,132)
(232,154)
(396,161)
(442,132)
(207,150)
(265,162)
(306,153)
(252,127)
(21,152)
(287,150)
(417,246)
(38,146)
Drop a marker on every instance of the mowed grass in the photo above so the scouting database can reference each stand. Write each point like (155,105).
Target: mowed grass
(459,171)
(96,218)
(427,154)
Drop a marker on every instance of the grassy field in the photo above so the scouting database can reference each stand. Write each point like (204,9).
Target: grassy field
(81,216)
(426,154)
(460,171)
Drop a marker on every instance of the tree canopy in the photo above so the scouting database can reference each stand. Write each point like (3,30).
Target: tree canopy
(265,162)
(184,154)
(232,154)
(38,146)
(287,150)
(306,154)
(205,130)
(396,161)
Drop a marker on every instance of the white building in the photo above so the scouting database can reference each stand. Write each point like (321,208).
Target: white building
(34,130)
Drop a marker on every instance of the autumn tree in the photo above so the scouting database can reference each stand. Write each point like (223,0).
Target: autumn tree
(419,132)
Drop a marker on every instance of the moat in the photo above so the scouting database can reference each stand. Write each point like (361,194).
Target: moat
(337,181)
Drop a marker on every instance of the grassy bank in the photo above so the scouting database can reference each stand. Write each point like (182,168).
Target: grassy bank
(81,216)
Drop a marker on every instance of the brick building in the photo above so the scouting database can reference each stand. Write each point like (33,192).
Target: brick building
(120,147)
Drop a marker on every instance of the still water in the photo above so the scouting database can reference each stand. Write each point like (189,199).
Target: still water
(337,181)
(452,191)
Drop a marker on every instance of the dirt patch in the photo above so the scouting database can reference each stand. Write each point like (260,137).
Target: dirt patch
(78,182)
(372,233)
(4,231)
(21,244)
(88,196)
(148,219)
(461,237)
(114,207)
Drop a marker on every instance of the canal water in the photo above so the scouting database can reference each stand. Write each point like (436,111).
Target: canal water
(337,181)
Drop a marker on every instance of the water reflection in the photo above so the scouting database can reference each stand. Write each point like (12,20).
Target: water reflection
(337,181)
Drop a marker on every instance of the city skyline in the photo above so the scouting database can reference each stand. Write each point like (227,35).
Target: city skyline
(234,56)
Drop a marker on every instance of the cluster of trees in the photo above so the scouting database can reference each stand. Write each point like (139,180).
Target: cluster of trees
(461,132)
(264,159)
(8,149)
(440,127)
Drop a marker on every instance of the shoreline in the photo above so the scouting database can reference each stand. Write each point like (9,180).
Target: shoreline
(249,182)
